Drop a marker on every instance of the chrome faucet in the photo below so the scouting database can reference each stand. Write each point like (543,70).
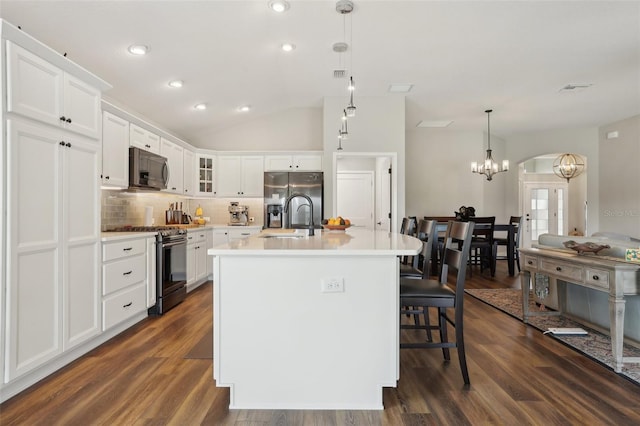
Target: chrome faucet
(286,209)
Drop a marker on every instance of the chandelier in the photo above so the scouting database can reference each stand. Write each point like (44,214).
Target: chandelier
(489,166)
(568,166)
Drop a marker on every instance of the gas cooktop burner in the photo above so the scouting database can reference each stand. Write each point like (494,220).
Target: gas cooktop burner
(162,230)
(143,228)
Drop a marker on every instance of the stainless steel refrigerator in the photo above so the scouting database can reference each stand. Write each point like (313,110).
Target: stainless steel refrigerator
(280,185)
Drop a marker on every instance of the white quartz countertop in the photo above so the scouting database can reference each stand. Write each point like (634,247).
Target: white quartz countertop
(352,242)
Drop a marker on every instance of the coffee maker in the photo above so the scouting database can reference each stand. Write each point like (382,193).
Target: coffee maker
(274,216)
(238,215)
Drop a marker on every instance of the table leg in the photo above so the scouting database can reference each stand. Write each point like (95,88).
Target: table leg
(616,316)
(525,284)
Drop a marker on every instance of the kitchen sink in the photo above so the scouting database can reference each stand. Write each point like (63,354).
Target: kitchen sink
(284,233)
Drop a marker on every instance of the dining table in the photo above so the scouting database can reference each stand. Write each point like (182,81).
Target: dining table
(509,229)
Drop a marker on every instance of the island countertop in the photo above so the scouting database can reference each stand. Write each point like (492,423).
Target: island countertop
(352,242)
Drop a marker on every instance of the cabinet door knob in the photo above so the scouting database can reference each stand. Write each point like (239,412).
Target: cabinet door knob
(530,262)
(68,145)
(595,278)
(106,177)
(558,268)
(62,143)
(68,120)
(148,146)
(63,118)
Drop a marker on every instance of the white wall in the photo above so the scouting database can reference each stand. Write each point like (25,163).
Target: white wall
(439,178)
(296,129)
(379,126)
(582,141)
(620,178)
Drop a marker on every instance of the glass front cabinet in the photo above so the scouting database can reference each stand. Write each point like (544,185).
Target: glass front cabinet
(206,175)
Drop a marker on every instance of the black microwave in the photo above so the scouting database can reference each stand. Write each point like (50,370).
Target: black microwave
(147,170)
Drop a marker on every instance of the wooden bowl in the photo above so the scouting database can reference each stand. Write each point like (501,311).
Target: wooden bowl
(336,227)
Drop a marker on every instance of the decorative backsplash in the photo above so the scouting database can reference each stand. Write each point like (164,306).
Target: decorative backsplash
(120,208)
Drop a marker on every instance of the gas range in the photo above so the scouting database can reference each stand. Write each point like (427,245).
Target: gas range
(163,231)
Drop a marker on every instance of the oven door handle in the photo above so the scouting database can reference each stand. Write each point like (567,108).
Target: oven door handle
(176,243)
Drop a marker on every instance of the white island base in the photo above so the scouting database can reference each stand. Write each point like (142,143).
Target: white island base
(282,341)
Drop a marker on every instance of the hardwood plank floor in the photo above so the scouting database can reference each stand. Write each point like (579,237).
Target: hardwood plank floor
(518,376)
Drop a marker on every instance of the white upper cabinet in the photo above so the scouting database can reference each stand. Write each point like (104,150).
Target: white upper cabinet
(292,163)
(188,169)
(143,139)
(174,155)
(115,151)
(204,169)
(240,176)
(43,92)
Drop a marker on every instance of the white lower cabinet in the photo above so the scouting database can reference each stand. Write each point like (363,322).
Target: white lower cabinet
(196,257)
(124,280)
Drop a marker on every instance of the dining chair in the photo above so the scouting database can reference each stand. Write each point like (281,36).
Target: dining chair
(422,294)
(515,222)
(482,249)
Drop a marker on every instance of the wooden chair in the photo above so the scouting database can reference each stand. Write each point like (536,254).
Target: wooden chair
(421,294)
(482,249)
(425,231)
(408,227)
(516,222)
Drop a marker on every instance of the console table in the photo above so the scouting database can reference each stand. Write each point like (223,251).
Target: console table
(606,274)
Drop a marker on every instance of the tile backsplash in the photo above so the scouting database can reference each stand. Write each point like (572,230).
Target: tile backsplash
(121,208)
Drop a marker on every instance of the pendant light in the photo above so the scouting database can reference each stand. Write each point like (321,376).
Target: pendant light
(344,130)
(568,166)
(345,7)
(489,167)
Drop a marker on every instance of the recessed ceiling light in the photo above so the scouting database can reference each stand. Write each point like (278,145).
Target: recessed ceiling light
(288,47)
(434,123)
(176,83)
(279,5)
(200,107)
(400,88)
(138,49)
(244,108)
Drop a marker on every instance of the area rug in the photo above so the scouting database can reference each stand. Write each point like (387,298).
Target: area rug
(595,345)
(203,349)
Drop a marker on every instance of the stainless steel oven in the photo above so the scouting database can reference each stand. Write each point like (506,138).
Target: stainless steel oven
(171,263)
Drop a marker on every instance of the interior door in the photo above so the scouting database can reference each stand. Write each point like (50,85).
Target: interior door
(355,198)
(545,211)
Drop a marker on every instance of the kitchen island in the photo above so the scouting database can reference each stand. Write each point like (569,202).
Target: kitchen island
(306,322)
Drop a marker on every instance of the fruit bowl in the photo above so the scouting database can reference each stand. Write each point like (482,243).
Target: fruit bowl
(336,227)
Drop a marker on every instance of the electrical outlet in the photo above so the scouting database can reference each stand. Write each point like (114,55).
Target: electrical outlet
(332,285)
(251,219)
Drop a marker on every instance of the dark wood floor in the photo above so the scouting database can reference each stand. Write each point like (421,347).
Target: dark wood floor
(518,377)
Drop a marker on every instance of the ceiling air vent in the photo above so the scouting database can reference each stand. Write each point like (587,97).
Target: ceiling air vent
(339,73)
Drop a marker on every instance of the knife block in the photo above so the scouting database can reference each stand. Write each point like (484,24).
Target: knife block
(173,217)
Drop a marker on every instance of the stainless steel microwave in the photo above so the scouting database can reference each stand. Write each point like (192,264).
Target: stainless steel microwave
(147,170)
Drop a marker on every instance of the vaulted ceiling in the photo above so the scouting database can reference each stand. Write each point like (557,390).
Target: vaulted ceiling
(461,57)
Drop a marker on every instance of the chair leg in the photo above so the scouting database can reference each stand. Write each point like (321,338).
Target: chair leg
(517,257)
(427,323)
(494,253)
(460,345)
(442,312)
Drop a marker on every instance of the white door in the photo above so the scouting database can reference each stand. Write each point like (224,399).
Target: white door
(34,185)
(81,248)
(355,198)
(545,211)
(383,194)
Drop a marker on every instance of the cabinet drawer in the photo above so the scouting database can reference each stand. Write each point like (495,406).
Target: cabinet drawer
(235,234)
(530,262)
(196,237)
(562,270)
(121,306)
(123,273)
(597,277)
(116,250)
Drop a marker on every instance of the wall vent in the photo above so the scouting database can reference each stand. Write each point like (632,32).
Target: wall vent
(339,73)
